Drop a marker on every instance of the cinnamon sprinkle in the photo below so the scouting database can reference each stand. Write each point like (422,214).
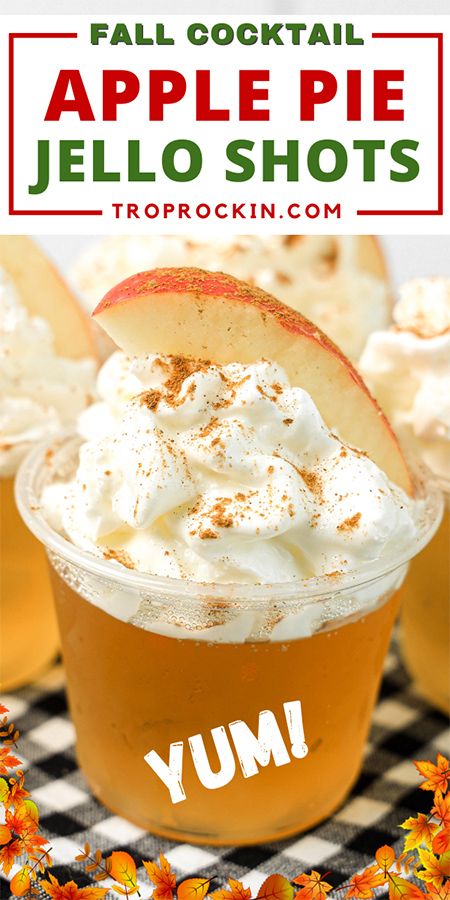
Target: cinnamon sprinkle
(283,278)
(350,523)
(121,556)
(219,515)
(208,534)
(312,480)
(179,368)
(150,399)
(205,430)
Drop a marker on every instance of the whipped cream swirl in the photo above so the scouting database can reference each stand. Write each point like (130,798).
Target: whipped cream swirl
(408,370)
(221,474)
(40,392)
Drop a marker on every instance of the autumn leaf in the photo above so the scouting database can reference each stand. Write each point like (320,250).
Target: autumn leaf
(19,821)
(441,842)
(313,886)
(422,831)
(16,793)
(401,889)
(440,893)
(7,761)
(8,855)
(276,887)
(125,891)
(162,877)
(31,843)
(4,790)
(193,889)
(69,890)
(441,808)
(434,868)
(122,868)
(237,892)
(437,776)
(21,882)
(31,810)
(385,856)
(363,885)
(3,709)
(5,834)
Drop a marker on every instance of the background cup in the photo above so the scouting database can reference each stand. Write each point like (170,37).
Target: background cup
(29,633)
(425,620)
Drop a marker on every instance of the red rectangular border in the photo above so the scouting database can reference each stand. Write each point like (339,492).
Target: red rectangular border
(360,212)
(440,125)
(31,212)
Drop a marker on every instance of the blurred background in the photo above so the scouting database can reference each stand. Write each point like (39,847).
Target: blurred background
(305,7)
(408,255)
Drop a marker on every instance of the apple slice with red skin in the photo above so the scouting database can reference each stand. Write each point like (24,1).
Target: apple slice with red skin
(209,315)
(44,293)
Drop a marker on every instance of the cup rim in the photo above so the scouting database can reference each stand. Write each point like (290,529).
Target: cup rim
(427,490)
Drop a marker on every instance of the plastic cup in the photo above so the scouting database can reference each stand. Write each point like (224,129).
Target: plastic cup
(29,634)
(153,662)
(425,620)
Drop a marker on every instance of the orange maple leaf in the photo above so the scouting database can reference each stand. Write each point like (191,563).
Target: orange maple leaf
(441,808)
(421,830)
(21,882)
(440,893)
(276,887)
(435,868)
(16,792)
(437,776)
(385,857)
(313,886)
(237,892)
(122,868)
(193,889)
(3,709)
(8,855)
(7,761)
(19,821)
(5,834)
(69,890)
(162,877)
(31,843)
(363,885)
(401,889)
(441,842)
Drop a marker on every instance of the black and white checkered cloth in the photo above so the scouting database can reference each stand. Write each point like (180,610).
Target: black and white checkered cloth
(404,728)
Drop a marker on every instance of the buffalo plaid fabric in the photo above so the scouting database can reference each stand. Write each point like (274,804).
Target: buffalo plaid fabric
(404,728)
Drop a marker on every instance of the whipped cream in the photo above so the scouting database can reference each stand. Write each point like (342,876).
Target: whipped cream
(408,370)
(221,474)
(40,392)
(319,275)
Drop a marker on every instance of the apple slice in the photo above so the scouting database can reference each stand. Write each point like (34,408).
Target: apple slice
(369,256)
(44,293)
(209,315)
(338,281)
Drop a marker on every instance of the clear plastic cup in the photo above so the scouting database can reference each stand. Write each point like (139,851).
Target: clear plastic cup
(425,620)
(154,661)
(28,631)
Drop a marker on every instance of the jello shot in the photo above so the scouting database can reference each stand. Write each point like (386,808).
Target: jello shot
(227,534)
(42,389)
(408,369)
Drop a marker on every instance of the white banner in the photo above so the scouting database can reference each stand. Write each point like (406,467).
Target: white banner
(224,124)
